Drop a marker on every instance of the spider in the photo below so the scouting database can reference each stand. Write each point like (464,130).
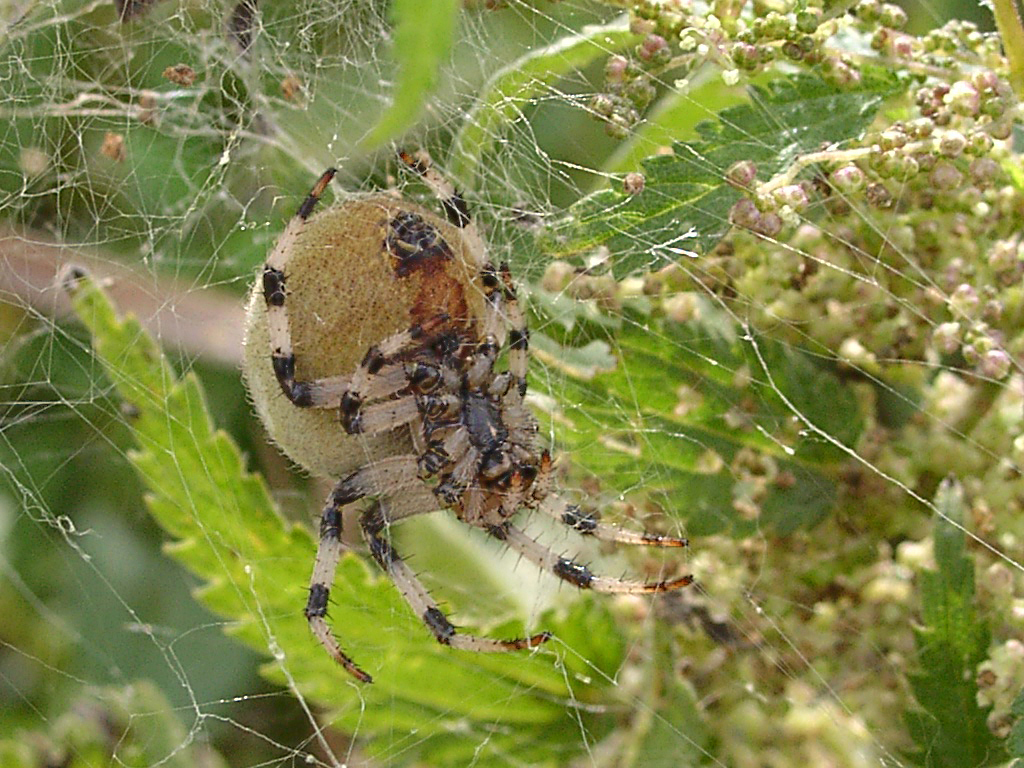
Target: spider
(371,345)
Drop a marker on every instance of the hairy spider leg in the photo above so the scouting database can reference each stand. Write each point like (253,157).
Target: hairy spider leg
(400,495)
(496,323)
(439,454)
(587,522)
(374,521)
(461,476)
(481,368)
(392,472)
(518,334)
(328,555)
(576,573)
(379,417)
(456,210)
(378,359)
(319,393)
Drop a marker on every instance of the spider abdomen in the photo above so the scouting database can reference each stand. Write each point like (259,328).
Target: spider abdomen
(357,274)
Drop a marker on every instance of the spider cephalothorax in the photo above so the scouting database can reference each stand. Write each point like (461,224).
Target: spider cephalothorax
(371,351)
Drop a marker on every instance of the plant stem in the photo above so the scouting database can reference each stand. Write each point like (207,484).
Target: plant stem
(1012,33)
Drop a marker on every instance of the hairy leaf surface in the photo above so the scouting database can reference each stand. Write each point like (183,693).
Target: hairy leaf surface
(683,210)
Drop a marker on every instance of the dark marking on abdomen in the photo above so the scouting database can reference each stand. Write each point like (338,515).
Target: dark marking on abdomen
(415,244)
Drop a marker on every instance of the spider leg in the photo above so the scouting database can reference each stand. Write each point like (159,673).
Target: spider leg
(461,476)
(481,369)
(374,521)
(452,202)
(518,334)
(443,453)
(498,283)
(385,415)
(380,416)
(328,555)
(587,523)
(576,573)
(392,472)
(320,393)
(379,359)
(504,317)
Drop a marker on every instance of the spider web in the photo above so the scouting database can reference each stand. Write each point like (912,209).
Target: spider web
(829,405)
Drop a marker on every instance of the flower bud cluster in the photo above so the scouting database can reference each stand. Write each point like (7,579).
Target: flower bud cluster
(676,37)
(628,88)
(915,195)
(1000,678)
(897,259)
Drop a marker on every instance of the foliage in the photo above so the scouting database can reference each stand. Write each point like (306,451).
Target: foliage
(692,444)
(684,207)
(1015,742)
(952,642)
(133,725)
(512,89)
(423,38)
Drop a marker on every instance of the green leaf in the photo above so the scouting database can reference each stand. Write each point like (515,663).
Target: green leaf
(512,89)
(423,38)
(685,417)
(683,210)
(254,567)
(1015,741)
(1017,708)
(950,728)
(675,116)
